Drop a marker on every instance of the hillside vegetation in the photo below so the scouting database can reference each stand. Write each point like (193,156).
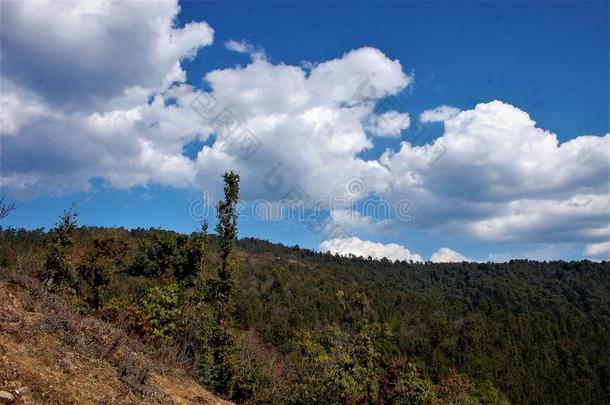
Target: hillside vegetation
(50,355)
(318,328)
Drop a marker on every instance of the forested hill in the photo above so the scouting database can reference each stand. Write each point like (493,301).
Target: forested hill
(311,327)
(539,331)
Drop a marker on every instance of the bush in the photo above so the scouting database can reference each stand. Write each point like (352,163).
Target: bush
(60,269)
(161,313)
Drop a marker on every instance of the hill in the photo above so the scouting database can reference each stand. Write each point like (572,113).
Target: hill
(312,327)
(48,354)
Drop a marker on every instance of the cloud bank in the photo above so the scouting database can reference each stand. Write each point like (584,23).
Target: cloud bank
(365,248)
(598,250)
(446,255)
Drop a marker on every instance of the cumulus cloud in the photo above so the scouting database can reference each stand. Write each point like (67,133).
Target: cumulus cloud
(502,178)
(389,123)
(310,123)
(439,114)
(55,152)
(598,250)
(76,54)
(365,248)
(577,216)
(83,97)
(446,255)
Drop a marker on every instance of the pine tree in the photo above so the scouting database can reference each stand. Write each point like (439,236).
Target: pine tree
(226,230)
(60,271)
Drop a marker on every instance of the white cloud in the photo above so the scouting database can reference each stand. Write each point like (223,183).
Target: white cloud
(365,248)
(500,178)
(256,52)
(18,107)
(601,249)
(439,114)
(352,221)
(389,123)
(310,123)
(519,220)
(446,255)
(76,95)
(237,46)
(77,54)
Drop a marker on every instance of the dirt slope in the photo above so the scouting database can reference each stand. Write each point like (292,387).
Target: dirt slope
(50,355)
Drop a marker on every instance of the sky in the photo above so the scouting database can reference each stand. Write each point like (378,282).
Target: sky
(441,131)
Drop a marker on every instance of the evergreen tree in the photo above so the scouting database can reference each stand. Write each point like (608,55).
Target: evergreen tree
(60,271)
(226,229)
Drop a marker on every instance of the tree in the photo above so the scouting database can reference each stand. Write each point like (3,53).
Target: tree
(110,251)
(162,313)
(204,245)
(196,255)
(226,228)
(340,363)
(60,270)
(5,207)
(161,253)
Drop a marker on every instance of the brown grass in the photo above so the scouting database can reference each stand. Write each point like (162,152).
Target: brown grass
(64,358)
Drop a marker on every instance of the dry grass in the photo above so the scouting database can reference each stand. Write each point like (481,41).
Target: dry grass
(65,358)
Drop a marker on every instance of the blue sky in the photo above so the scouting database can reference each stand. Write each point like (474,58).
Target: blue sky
(548,58)
(547,62)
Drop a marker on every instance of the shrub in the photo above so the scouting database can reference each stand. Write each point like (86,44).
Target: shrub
(162,313)
(60,269)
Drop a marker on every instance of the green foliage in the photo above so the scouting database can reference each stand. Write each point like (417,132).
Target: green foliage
(108,256)
(162,313)
(160,252)
(402,383)
(341,364)
(331,370)
(169,254)
(222,289)
(487,394)
(226,229)
(60,268)
(252,379)
(196,253)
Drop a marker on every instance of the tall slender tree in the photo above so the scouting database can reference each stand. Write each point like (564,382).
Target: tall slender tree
(204,245)
(226,228)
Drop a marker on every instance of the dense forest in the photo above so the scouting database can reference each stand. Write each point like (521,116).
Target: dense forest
(258,322)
